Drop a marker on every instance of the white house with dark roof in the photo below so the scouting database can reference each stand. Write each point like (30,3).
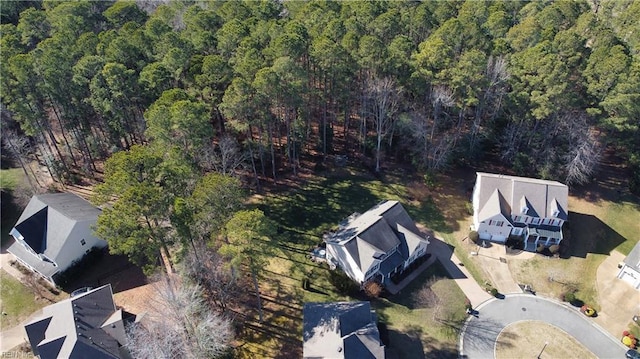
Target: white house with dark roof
(341,330)
(527,208)
(630,269)
(53,231)
(85,326)
(377,244)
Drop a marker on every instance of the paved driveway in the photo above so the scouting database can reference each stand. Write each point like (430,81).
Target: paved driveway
(619,302)
(479,336)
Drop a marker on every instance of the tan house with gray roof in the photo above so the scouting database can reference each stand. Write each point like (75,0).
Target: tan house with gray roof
(532,210)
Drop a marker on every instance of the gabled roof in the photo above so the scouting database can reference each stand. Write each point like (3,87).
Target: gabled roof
(495,205)
(633,259)
(341,330)
(45,225)
(74,328)
(541,197)
(377,232)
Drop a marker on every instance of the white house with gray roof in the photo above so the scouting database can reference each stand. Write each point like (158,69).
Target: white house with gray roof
(630,268)
(509,206)
(53,231)
(377,244)
(341,330)
(85,326)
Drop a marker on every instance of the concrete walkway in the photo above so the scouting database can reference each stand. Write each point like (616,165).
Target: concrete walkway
(15,336)
(5,261)
(443,252)
(12,337)
(480,334)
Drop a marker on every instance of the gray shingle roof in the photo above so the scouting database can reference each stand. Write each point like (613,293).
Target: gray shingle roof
(45,225)
(73,328)
(540,196)
(377,231)
(633,259)
(341,330)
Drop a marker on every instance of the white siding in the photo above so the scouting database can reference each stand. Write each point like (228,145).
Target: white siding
(492,232)
(476,206)
(72,249)
(344,260)
(630,276)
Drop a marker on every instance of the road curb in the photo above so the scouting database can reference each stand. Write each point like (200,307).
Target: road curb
(563,305)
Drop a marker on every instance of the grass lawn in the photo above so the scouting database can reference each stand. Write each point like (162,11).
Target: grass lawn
(17,301)
(415,330)
(596,228)
(527,339)
(303,214)
(11,178)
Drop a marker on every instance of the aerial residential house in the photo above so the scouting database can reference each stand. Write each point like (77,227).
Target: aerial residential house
(53,232)
(376,245)
(630,268)
(341,330)
(85,326)
(531,210)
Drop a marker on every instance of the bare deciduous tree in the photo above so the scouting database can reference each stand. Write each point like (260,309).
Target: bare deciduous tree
(583,152)
(426,297)
(225,158)
(19,147)
(490,103)
(383,95)
(179,325)
(430,152)
(209,270)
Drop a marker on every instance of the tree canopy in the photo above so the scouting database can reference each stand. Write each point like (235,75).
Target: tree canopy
(165,93)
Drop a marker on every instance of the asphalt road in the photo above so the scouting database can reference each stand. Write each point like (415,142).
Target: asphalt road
(479,336)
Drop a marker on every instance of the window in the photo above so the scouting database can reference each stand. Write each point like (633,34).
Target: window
(499,223)
(83,242)
(518,219)
(87,251)
(536,220)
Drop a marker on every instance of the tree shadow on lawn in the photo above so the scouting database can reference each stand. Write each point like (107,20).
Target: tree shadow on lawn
(413,343)
(588,234)
(611,182)
(319,205)
(407,344)
(430,214)
(406,297)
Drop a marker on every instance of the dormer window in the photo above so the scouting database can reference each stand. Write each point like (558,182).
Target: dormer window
(525,209)
(555,213)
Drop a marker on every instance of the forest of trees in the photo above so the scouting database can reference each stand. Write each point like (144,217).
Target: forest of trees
(167,101)
(541,86)
(176,107)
